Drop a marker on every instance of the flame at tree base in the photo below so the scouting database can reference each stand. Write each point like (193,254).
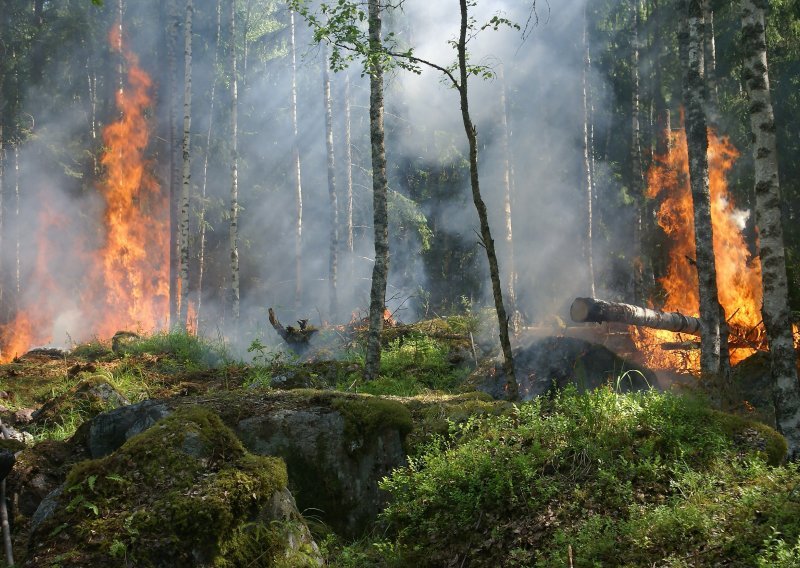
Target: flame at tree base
(738,271)
(123,283)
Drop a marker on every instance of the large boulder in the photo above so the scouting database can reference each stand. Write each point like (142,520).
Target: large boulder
(555,362)
(336,446)
(184,493)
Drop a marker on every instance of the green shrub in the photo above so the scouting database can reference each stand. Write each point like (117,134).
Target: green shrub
(618,480)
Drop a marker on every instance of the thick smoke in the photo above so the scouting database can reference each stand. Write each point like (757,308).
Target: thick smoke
(543,79)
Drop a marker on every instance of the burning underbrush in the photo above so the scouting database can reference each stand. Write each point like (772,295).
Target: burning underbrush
(738,270)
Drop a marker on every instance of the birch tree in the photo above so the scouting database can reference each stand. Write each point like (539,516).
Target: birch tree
(233,221)
(333,259)
(202,224)
(173,25)
(380,189)
(714,351)
(587,164)
(183,275)
(505,141)
(341,30)
(298,184)
(637,173)
(775,308)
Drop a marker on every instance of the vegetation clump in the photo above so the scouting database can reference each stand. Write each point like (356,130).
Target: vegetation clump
(638,479)
(183,492)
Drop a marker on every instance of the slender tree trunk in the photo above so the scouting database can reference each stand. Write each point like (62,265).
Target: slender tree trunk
(660,140)
(174,160)
(333,259)
(486,235)
(348,168)
(234,211)
(17,222)
(587,159)
(710,62)
(714,353)
(298,185)
(183,300)
(201,255)
(380,270)
(637,174)
(2,208)
(775,308)
(511,273)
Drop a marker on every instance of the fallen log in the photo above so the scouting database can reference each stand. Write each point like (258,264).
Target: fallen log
(594,310)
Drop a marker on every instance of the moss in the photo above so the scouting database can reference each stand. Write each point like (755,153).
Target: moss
(435,415)
(12,445)
(176,493)
(753,436)
(366,415)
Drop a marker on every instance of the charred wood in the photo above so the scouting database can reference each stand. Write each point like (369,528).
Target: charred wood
(594,310)
(297,337)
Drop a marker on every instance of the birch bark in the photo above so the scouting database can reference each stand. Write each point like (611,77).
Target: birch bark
(186,170)
(775,308)
(380,270)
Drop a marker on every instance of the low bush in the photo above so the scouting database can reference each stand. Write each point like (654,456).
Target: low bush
(609,480)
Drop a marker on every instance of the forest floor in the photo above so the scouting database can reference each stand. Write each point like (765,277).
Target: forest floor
(573,479)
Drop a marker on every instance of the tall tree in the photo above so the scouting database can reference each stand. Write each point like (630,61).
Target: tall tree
(587,162)
(348,168)
(186,173)
(637,173)
(333,258)
(486,234)
(505,141)
(341,29)
(380,189)
(173,26)
(233,226)
(775,307)
(714,352)
(710,63)
(298,184)
(203,225)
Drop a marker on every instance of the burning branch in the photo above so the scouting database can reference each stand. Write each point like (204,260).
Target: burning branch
(594,310)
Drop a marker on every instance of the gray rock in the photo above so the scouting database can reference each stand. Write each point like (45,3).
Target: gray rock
(109,430)
(334,474)
(47,507)
(555,362)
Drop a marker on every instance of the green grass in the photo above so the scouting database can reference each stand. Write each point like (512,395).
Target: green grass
(620,480)
(180,350)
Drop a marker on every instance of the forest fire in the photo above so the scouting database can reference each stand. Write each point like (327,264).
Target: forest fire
(738,272)
(133,263)
(124,280)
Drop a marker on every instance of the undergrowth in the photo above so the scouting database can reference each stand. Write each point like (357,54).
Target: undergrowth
(639,479)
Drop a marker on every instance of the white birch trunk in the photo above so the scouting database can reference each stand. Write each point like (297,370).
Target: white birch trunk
(183,272)
(333,259)
(298,184)
(775,308)
(201,255)
(380,270)
(233,232)
(511,272)
(587,161)
(714,351)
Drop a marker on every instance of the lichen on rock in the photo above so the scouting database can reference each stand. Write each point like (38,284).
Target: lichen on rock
(183,493)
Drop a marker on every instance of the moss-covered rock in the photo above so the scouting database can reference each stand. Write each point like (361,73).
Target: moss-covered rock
(183,493)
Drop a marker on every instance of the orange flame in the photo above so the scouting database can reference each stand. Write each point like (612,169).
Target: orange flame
(125,281)
(132,265)
(738,272)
